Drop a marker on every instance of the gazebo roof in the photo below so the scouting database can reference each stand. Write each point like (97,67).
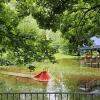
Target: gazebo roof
(91,48)
(96,44)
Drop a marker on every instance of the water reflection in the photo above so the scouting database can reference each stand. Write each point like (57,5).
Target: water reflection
(25,84)
(17,84)
(62,84)
(51,88)
(57,86)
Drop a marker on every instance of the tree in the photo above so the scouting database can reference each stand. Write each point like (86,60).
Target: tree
(77,32)
(77,19)
(24,40)
(23,25)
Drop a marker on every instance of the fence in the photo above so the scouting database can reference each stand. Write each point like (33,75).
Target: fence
(50,96)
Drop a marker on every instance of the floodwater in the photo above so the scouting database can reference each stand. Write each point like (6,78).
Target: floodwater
(17,84)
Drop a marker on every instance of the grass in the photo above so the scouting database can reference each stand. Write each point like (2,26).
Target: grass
(62,56)
(13,69)
(71,72)
(65,66)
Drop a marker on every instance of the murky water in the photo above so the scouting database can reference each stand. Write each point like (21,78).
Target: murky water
(17,84)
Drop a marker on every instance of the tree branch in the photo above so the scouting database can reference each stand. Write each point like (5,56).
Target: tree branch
(92,8)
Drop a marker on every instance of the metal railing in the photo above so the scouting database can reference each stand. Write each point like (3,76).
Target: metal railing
(50,96)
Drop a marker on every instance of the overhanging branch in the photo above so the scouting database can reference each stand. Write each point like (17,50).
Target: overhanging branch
(92,8)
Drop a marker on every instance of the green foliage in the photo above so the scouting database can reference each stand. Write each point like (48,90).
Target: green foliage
(28,25)
(77,35)
(23,26)
(79,24)
(78,20)
(22,38)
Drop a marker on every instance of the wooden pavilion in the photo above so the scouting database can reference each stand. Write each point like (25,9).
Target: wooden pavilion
(89,58)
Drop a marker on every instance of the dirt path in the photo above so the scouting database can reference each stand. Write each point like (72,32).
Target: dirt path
(18,74)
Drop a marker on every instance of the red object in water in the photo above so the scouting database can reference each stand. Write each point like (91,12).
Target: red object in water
(43,76)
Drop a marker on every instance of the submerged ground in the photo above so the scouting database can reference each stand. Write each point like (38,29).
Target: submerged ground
(67,75)
(67,69)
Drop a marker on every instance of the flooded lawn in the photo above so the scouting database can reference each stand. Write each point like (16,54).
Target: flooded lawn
(67,76)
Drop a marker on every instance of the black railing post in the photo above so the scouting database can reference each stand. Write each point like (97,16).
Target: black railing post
(73,97)
(49,96)
(67,96)
(79,97)
(1,96)
(7,96)
(25,96)
(13,96)
(92,97)
(43,96)
(55,96)
(61,96)
(19,96)
(37,96)
(31,96)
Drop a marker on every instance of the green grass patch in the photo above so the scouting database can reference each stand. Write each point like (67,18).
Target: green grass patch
(62,56)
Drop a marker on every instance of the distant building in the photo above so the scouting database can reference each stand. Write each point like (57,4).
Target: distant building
(90,59)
